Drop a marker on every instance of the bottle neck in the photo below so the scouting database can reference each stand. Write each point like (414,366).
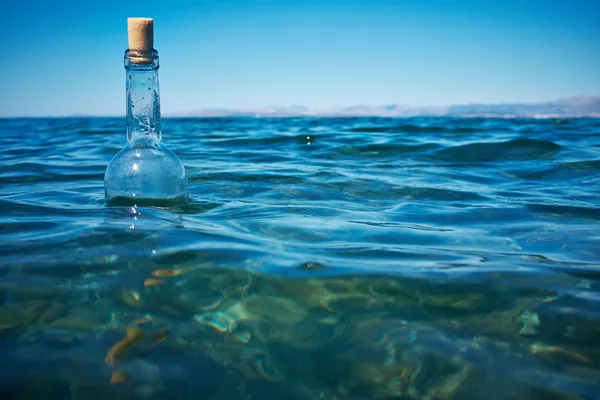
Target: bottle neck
(143,99)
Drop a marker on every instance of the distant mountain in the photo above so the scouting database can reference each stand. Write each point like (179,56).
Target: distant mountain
(571,107)
(567,107)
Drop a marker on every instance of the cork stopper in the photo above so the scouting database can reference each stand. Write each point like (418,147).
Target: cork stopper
(140,34)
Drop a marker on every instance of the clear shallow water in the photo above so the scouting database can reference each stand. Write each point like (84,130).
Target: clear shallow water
(318,259)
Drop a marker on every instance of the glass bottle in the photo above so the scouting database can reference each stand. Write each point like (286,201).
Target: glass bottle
(145,170)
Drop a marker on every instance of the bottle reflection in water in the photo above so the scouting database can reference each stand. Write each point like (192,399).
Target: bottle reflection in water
(145,170)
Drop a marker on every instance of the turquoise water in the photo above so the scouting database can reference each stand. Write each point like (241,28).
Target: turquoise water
(362,258)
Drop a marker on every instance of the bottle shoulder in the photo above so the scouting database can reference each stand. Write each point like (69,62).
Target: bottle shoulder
(147,159)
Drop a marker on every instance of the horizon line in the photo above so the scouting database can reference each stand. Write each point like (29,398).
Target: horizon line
(291,110)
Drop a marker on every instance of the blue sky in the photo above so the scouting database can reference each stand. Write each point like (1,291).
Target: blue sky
(65,57)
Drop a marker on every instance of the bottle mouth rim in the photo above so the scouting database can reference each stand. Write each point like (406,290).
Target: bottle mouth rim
(141,58)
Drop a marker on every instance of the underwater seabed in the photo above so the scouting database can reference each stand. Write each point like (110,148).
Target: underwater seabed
(197,331)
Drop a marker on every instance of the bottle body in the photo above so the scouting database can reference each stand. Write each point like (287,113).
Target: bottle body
(145,169)
(146,174)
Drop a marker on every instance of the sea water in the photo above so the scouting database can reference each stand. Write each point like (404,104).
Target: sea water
(317,258)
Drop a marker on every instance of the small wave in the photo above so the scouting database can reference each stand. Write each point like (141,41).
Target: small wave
(565,211)
(403,226)
(517,149)
(408,128)
(593,165)
(267,140)
(434,194)
(28,179)
(384,150)
(246,178)
(100,131)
